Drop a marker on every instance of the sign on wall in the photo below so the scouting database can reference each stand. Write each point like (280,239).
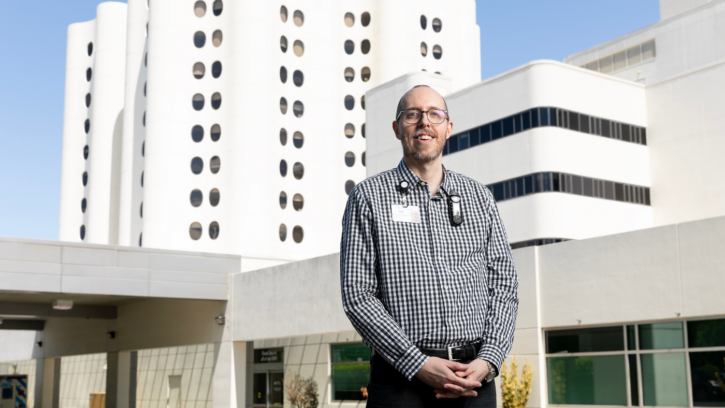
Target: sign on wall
(271,355)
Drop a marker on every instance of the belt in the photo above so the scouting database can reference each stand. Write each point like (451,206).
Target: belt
(466,352)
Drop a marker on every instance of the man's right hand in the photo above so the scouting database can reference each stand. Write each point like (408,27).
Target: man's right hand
(437,372)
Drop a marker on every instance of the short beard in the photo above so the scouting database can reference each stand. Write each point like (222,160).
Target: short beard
(418,156)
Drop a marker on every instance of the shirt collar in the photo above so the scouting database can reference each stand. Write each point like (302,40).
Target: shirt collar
(406,174)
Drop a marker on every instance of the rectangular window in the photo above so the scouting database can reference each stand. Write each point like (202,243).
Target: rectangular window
(556,185)
(519,187)
(606,131)
(609,190)
(707,371)
(445,148)
(706,333)
(619,191)
(463,141)
(498,191)
(508,126)
(350,371)
(535,118)
(473,137)
(496,130)
(544,116)
(591,380)
(596,126)
(584,123)
(657,336)
(526,120)
(453,144)
(643,134)
(631,340)
(625,133)
(633,383)
(588,187)
(646,196)
(577,185)
(664,379)
(529,184)
(593,339)
(538,183)
(485,133)
(547,181)
(561,118)
(574,121)
(517,123)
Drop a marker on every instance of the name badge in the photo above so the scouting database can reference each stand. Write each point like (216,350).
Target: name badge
(410,213)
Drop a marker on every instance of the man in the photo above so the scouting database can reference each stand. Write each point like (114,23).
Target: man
(426,272)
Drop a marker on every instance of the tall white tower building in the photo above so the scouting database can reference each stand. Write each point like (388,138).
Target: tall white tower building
(237,127)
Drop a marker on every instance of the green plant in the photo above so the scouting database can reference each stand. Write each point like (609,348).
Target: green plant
(515,393)
(302,392)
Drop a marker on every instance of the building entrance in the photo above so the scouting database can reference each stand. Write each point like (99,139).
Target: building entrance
(268,389)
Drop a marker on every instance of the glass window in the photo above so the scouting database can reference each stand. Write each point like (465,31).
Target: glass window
(517,123)
(349,130)
(89,74)
(349,19)
(298,234)
(298,139)
(214,230)
(659,336)
(453,144)
(283,43)
(423,49)
(298,18)
(526,120)
(543,115)
(196,198)
(214,197)
(198,70)
(664,380)
(197,133)
(298,202)
(585,340)
(214,164)
(365,74)
(349,47)
(631,340)
(283,105)
(216,69)
(216,100)
(350,370)
(643,135)
(283,74)
(519,187)
(90,48)
(298,109)
(528,184)
(556,186)
(423,22)
(349,74)
(282,200)
(197,102)
(437,51)
(349,159)
(283,14)
(534,118)
(298,48)
(216,132)
(706,333)
(473,137)
(87,125)
(707,371)
(508,126)
(576,182)
(485,133)
(591,380)
(195,231)
(349,185)
(584,123)
(83,232)
(298,170)
(85,152)
(463,141)
(606,131)
(588,187)
(495,130)
(260,388)
(83,205)
(633,383)
(498,192)
(365,46)
(283,168)
(574,121)
(365,19)
(217,7)
(625,133)
(199,39)
(282,232)
(437,25)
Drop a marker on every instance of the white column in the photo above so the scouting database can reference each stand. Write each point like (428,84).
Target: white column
(232,370)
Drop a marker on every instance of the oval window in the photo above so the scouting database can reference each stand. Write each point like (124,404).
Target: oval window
(214,197)
(195,231)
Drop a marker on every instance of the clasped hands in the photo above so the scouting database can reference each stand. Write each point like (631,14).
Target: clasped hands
(450,379)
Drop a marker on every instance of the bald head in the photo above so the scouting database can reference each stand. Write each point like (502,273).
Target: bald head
(426,92)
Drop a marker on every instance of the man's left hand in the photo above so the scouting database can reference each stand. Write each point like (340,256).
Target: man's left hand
(477,371)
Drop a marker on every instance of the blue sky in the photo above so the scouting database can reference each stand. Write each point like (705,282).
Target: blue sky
(513,32)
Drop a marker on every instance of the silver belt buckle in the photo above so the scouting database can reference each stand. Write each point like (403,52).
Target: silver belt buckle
(450,354)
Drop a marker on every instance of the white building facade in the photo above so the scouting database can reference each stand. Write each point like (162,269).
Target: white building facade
(219,130)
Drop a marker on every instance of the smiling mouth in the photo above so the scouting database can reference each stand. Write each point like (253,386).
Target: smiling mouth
(424,137)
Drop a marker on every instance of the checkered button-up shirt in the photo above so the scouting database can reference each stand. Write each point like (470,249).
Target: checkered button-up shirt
(409,285)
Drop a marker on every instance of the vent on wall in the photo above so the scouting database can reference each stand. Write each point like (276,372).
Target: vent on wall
(623,59)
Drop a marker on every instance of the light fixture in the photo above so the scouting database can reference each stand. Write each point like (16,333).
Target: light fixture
(1,321)
(61,304)
(40,344)
(111,335)
(219,320)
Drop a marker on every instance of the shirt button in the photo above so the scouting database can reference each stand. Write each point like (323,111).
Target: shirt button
(445,287)
(439,258)
(435,229)
(449,320)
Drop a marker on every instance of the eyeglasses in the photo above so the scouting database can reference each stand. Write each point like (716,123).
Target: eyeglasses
(413,116)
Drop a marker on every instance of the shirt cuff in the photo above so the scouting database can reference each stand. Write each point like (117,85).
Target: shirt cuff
(493,355)
(410,362)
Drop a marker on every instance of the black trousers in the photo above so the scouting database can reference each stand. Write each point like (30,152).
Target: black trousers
(387,388)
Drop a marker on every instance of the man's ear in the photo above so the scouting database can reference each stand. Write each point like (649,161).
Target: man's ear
(396,129)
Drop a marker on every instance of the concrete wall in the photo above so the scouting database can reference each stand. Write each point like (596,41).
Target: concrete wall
(671,8)
(79,377)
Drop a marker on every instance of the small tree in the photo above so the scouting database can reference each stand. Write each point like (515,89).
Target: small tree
(302,392)
(515,393)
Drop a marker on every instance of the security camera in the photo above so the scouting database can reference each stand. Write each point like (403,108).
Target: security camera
(111,335)
(219,320)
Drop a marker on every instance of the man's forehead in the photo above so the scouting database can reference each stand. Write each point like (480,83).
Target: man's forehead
(422,97)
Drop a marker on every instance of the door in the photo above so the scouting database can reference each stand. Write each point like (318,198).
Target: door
(174,400)
(276,388)
(268,389)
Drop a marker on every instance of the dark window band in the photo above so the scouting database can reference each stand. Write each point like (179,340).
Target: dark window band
(569,183)
(540,117)
(536,242)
